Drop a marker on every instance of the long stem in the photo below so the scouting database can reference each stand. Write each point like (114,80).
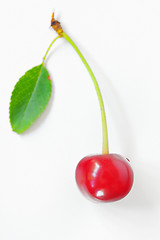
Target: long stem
(49,48)
(105,149)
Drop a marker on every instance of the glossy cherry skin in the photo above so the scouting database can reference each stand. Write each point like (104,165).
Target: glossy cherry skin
(105,178)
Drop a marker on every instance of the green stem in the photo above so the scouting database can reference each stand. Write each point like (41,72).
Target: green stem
(49,49)
(105,149)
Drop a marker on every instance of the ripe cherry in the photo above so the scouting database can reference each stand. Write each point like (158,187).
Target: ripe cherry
(107,177)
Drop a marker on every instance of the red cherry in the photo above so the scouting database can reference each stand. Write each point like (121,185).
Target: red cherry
(106,177)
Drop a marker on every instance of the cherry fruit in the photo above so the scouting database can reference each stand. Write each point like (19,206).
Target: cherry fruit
(107,177)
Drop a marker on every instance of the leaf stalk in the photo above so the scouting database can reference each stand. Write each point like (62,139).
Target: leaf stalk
(49,48)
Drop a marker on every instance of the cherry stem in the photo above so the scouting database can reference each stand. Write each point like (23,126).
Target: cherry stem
(105,149)
(49,48)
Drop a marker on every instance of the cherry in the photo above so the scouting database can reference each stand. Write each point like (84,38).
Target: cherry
(106,177)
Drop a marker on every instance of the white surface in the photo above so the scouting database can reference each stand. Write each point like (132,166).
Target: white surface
(121,41)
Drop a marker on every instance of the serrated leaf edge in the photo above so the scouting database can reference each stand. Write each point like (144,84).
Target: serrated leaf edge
(19,132)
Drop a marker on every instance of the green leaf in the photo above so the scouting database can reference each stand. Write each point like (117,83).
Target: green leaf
(29,98)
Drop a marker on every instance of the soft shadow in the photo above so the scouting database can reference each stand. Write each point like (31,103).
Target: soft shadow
(145,195)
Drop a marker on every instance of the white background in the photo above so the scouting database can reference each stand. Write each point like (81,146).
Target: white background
(39,198)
